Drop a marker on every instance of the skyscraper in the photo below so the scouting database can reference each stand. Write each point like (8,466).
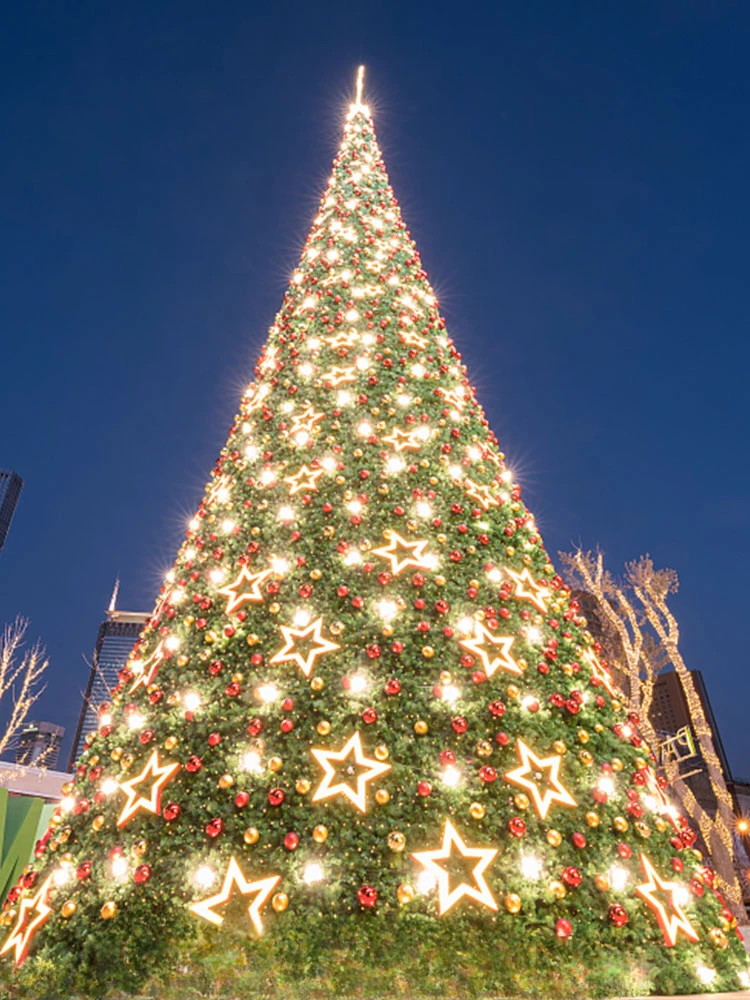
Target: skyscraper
(10,490)
(117,635)
(39,744)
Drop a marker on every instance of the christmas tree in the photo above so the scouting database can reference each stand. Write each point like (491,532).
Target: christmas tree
(364,736)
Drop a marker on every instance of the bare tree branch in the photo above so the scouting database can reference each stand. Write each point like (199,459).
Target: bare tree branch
(21,671)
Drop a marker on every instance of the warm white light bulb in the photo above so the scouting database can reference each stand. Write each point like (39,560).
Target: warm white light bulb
(136,721)
(109,785)
(268,693)
(313,873)
(204,877)
(301,618)
(618,878)
(191,701)
(450,776)
(250,761)
(286,515)
(358,684)
(119,866)
(451,693)
(531,867)
(426,881)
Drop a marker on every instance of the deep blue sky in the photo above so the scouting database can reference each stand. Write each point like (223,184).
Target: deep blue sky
(575,175)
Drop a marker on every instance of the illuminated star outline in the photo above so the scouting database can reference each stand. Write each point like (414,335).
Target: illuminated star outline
(306,420)
(481,493)
(246,587)
(455,397)
(670,923)
(529,763)
(220,485)
(599,671)
(527,589)
(419,559)
(305,479)
(342,339)
(412,339)
(476,645)
(447,897)
(306,663)
(403,440)
(21,936)
(163,774)
(340,376)
(327,790)
(234,877)
(149,667)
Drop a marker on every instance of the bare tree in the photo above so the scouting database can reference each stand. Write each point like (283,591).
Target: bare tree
(21,670)
(642,638)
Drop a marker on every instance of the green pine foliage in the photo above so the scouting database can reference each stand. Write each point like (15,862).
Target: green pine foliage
(362,565)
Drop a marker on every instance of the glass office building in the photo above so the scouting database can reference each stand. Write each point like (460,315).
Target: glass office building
(10,491)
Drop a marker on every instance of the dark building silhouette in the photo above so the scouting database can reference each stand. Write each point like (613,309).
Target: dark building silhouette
(117,635)
(39,744)
(10,491)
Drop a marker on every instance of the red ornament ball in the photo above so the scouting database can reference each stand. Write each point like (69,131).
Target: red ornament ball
(617,915)
(276,796)
(572,876)
(424,788)
(142,874)
(241,799)
(171,812)
(367,896)
(193,764)
(215,826)
(291,841)
(516,826)
(563,929)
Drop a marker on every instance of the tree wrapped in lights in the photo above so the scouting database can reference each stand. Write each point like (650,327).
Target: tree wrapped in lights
(364,733)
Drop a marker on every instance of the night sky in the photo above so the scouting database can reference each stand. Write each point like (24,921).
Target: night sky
(575,176)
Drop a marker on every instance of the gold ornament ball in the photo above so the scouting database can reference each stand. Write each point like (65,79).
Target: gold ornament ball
(275,763)
(66,858)
(382,796)
(108,910)
(420,727)
(484,748)
(521,800)
(315,574)
(252,639)
(405,894)
(140,847)
(660,824)
(512,903)
(68,788)
(317,684)
(337,628)
(323,727)
(440,581)
(320,834)
(238,677)
(718,938)
(251,835)
(640,764)
(182,660)
(583,736)
(396,841)
(428,652)
(557,890)
(280,902)
(116,754)
(97,823)
(617,764)
(211,636)
(274,608)
(388,631)
(126,761)
(642,829)
(477,810)
(382,752)
(592,818)
(559,747)
(601,882)
(554,838)
(513,691)
(586,758)
(68,909)
(303,786)
(620,824)
(598,727)
(226,781)
(170,742)
(446,677)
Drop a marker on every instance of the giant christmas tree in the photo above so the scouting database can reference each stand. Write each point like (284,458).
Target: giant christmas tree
(365,733)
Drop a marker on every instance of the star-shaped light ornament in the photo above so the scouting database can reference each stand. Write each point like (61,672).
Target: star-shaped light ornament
(360,769)
(246,587)
(346,338)
(492,650)
(219,490)
(32,914)
(340,376)
(599,671)
(482,494)
(235,880)
(404,440)
(293,637)
(670,916)
(145,670)
(531,774)
(527,589)
(453,846)
(412,339)
(159,775)
(305,479)
(455,398)
(306,420)
(402,554)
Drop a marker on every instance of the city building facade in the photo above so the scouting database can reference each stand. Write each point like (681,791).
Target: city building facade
(39,744)
(10,490)
(117,635)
